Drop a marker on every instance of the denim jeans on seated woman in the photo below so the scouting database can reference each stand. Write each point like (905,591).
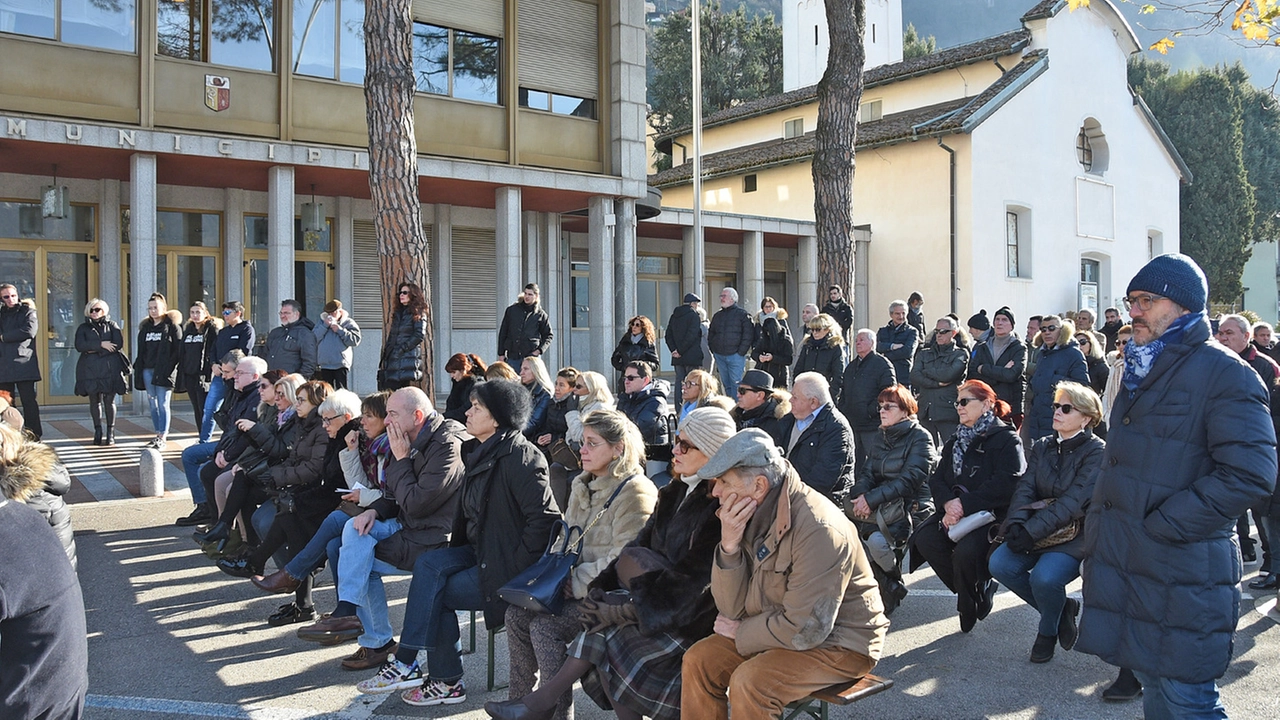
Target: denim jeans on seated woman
(444,581)
(1040,579)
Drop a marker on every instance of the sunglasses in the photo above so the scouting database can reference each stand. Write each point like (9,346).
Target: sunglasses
(228,312)
(683,446)
(964,402)
(1066,408)
(404,292)
(94,311)
(1048,328)
(888,407)
(630,377)
(743,390)
(636,324)
(265,386)
(945,332)
(1082,341)
(580,386)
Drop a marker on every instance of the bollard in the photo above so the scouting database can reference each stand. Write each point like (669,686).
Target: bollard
(151,473)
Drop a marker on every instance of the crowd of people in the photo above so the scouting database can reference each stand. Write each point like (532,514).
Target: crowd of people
(743,543)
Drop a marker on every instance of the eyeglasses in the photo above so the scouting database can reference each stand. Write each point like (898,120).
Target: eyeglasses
(630,377)
(326,420)
(1048,328)
(594,445)
(689,383)
(964,402)
(1143,302)
(94,311)
(888,407)
(1066,408)
(945,332)
(682,446)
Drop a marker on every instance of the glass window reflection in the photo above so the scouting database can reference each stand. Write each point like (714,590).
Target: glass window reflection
(240,34)
(431,58)
(314,24)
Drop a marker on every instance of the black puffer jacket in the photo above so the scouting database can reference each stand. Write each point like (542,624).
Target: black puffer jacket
(823,454)
(557,424)
(628,351)
(935,375)
(1008,382)
(1098,372)
(99,371)
(512,524)
(989,472)
(684,336)
(732,331)
(525,329)
(1057,363)
(863,380)
(773,337)
(459,400)
(899,465)
(197,353)
(648,409)
(1064,472)
(402,352)
(826,358)
(18,330)
(159,349)
(38,479)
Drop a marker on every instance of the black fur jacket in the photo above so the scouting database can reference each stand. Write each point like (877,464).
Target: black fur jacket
(36,478)
(676,600)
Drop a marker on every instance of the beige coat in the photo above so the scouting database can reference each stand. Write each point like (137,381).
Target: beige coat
(619,525)
(802,582)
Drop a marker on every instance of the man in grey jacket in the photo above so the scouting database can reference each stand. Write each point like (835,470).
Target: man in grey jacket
(1190,446)
(336,336)
(292,346)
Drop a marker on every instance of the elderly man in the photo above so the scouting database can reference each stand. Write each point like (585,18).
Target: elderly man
(817,439)
(205,461)
(897,341)
(866,375)
(1190,447)
(1084,320)
(291,347)
(799,607)
(730,337)
(684,337)
(837,308)
(1234,332)
(938,370)
(19,365)
(525,329)
(760,405)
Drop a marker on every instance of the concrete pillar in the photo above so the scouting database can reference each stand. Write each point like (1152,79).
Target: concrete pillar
(280,204)
(233,251)
(752,290)
(150,472)
(600,225)
(343,252)
(627,107)
(507,239)
(109,250)
(441,292)
(552,267)
(142,244)
(808,272)
(861,277)
(624,249)
(694,264)
(532,249)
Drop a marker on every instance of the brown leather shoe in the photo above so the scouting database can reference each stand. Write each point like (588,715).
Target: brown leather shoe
(333,629)
(277,583)
(368,658)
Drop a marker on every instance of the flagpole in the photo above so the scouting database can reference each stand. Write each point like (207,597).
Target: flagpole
(699,248)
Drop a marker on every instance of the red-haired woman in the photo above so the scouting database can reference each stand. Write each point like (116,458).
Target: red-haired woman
(401,363)
(465,371)
(978,471)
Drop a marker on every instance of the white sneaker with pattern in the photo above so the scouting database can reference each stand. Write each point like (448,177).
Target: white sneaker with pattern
(435,692)
(394,675)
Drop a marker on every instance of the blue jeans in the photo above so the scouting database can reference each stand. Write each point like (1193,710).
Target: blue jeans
(1168,699)
(1040,579)
(217,392)
(158,399)
(310,556)
(370,598)
(444,581)
(731,369)
(193,457)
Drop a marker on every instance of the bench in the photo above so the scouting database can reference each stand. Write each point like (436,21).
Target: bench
(846,693)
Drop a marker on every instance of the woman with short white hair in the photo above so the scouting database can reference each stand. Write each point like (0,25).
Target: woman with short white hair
(100,371)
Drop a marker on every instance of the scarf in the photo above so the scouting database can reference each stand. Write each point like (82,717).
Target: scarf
(1139,359)
(285,416)
(374,450)
(998,345)
(964,437)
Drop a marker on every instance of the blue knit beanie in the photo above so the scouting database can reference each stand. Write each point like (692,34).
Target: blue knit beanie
(1176,277)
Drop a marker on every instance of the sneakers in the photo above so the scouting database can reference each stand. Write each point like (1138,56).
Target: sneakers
(435,692)
(394,675)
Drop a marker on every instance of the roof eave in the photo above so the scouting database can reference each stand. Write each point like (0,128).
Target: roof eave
(1169,147)
(1005,95)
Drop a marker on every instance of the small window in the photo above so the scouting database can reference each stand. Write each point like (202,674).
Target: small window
(793,128)
(1011,243)
(557,103)
(749,183)
(871,111)
(456,63)
(1017,242)
(1091,148)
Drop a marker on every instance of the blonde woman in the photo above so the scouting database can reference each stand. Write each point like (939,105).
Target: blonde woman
(592,390)
(535,378)
(1060,359)
(823,352)
(698,388)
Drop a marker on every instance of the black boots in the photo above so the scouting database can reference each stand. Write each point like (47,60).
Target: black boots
(110,438)
(97,435)
(201,514)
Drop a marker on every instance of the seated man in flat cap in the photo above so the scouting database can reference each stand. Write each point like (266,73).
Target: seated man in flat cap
(798,605)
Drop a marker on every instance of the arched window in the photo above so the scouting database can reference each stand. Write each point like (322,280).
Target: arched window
(1091,148)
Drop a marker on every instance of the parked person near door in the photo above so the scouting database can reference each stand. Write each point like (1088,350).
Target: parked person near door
(19,367)
(291,347)
(236,334)
(336,336)
(729,337)
(155,370)
(401,363)
(195,371)
(100,371)
(525,329)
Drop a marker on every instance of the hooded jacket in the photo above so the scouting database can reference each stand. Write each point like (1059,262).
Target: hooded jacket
(334,347)
(99,371)
(18,329)
(159,349)
(292,348)
(36,478)
(684,336)
(773,337)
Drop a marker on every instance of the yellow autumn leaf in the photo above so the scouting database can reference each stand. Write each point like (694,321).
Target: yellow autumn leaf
(1162,46)
(1255,31)
(1147,9)
(1074,5)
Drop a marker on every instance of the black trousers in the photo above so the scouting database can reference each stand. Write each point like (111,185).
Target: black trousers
(336,377)
(26,392)
(196,394)
(961,566)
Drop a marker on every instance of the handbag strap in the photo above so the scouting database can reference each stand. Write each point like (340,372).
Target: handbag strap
(603,510)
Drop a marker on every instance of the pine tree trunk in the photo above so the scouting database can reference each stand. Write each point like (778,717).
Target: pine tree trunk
(839,95)
(393,160)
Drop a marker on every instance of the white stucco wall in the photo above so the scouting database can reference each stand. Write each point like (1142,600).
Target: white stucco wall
(804,61)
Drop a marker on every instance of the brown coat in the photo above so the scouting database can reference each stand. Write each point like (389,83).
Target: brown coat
(802,581)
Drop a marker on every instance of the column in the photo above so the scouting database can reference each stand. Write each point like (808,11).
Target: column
(600,224)
(553,264)
(808,271)
(627,103)
(142,243)
(343,252)
(532,249)
(694,264)
(861,277)
(752,290)
(109,250)
(624,249)
(233,249)
(507,240)
(280,204)
(441,291)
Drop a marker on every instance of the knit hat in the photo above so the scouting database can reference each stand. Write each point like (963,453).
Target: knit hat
(1005,311)
(691,298)
(750,448)
(507,401)
(979,321)
(1176,277)
(756,380)
(333,306)
(707,428)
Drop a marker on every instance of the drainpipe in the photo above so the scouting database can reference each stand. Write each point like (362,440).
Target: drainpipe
(955,251)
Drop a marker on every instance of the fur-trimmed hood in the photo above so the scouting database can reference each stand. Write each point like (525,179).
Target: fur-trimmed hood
(174,317)
(29,472)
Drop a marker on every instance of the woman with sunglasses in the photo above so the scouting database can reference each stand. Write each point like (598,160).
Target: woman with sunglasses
(650,603)
(1051,497)
(638,343)
(401,363)
(1091,344)
(891,493)
(977,471)
(593,394)
(100,371)
(774,347)
(1060,359)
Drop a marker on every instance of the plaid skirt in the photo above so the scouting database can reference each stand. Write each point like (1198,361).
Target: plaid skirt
(633,669)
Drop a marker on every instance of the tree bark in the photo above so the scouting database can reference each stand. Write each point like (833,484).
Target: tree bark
(839,95)
(393,161)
